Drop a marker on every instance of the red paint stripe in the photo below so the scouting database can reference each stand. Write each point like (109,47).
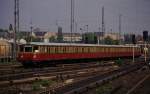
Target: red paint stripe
(44,56)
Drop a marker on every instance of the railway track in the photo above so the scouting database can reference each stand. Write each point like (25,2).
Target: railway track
(16,69)
(82,86)
(12,69)
(74,74)
(52,71)
(143,83)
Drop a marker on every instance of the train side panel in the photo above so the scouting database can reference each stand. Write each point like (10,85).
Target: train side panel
(52,53)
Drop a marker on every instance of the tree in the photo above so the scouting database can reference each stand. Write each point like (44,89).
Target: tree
(108,40)
(36,39)
(52,39)
(89,38)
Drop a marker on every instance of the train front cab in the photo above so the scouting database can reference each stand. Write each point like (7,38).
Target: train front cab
(26,54)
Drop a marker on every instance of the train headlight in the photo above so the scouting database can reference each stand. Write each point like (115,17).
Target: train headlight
(34,56)
(21,56)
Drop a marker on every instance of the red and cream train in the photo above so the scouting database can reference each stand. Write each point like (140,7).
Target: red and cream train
(41,53)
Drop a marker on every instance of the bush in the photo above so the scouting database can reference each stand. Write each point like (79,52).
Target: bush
(119,62)
(37,84)
(105,89)
(46,82)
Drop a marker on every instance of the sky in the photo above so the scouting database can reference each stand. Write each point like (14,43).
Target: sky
(45,14)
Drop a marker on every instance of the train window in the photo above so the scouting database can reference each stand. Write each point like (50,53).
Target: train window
(127,49)
(41,49)
(56,49)
(52,49)
(105,49)
(99,49)
(60,49)
(72,49)
(79,50)
(69,49)
(28,49)
(75,49)
(48,49)
(86,50)
(113,49)
(64,49)
(93,49)
(110,50)
(122,49)
(21,48)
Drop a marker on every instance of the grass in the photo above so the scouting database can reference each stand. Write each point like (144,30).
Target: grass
(105,89)
(119,62)
(41,83)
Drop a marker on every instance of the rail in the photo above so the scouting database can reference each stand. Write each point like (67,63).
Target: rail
(35,72)
(84,85)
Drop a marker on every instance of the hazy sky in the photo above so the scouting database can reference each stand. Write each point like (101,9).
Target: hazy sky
(45,13)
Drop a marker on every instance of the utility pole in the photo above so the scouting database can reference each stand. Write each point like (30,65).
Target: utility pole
(119,28)
(76,27)
(16,27)
(87,28)
(31,28)
(103,24)
(72,18)
(17,15)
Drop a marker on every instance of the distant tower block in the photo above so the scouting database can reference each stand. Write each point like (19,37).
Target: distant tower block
(145,35)
(60,35)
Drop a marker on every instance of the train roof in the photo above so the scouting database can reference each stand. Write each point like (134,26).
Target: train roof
(75,44)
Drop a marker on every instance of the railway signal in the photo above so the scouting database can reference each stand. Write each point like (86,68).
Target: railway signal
(133,39)
(134,42)
(145,52)
(145,38)
(10,28)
